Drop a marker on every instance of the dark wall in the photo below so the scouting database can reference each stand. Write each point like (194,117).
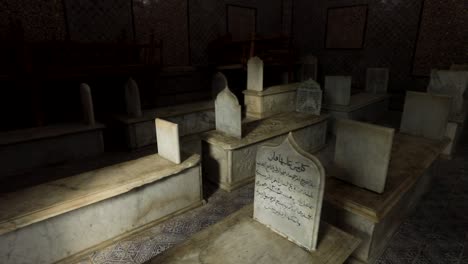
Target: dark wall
(391,31)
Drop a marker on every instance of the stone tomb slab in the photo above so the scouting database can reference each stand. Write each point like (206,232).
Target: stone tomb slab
(377,80)
(338,90)
(230,162)
(228,114)
(239,239)
(167,134)
(289,184)
(273,100)
(425,115)
(309,97)
(362,153)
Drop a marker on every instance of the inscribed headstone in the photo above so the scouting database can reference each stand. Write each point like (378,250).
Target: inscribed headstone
(289,186)
(255,74)
(167,136)
(338,90)
(425,115)
(87,104)
(308,68)
(228,114)
(218,83)
(132,99)
(363,153)
(450,83)
(377,80)
(309,97)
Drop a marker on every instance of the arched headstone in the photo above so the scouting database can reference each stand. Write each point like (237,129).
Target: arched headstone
(132,99)
(309,97)
(228,113)
(255,74)
(218,83)
(87,104)
(289,186)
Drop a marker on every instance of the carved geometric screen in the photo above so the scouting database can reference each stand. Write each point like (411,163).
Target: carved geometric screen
(346,27)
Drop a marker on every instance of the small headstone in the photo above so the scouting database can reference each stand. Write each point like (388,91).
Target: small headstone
(289,186)
(450,83)
(362,153)
(377,80)
(338,90)
(255,74)
(218,83)
(132,99)
(228,114)
(425,115)
(309,97)
(87,104)
(167,136)
(308,68)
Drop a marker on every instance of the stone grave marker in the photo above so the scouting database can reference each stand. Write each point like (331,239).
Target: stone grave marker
(289,186)
(450,83)
(255,74)
(228,113)
(87,104)
(132,99)
(362,153)
(309,97)
(425,115)
(338,90)
(167,136)
(218,83)
(308,68)
(377,80)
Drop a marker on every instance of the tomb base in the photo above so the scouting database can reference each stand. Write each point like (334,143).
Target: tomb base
(364,107)
(271,101)
(53,221)
(373,217)
(192,119)
(240,239)
(230,162)
(24,150)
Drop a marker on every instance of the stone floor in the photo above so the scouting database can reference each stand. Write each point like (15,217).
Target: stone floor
(436,232)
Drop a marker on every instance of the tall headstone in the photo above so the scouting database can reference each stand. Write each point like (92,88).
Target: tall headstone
(450,83)
(377,80)
(87,104)
(228,114)
(362,153)
(338,90)
(167,136)
(289,186)
(255,74)
(218,83)
(308,68)
(132,99)
(425,115)
(309,97)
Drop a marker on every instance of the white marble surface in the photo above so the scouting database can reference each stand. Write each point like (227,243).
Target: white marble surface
(289,186)
(363,153)
(255,74)
(228,114)
(309,97)
(167,135)
(58,237)
(425,115)
(337,90)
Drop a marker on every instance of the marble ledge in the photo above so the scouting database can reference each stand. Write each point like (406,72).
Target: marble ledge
(411,157)
(37,133)
(263,129)
(170,111)
(273,90)
(31,205)
(357,101)
(240,239)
